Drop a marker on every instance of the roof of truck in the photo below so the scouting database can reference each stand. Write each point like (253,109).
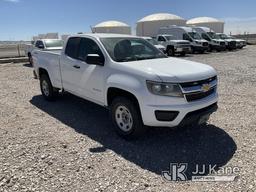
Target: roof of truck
(102,35)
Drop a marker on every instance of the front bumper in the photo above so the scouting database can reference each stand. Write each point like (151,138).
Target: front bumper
(218,47)
(183,109)
(200,48)
(182,49)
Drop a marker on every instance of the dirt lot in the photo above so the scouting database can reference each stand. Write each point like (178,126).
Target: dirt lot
(69,145)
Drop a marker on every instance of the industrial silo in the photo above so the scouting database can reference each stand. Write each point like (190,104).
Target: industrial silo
(214,24)
(149,25)
(112,27)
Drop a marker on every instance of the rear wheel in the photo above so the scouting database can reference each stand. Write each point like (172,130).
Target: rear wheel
(126,118)
(48,91)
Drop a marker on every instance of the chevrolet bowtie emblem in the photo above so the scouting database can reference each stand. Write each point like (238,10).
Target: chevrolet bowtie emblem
(206,87)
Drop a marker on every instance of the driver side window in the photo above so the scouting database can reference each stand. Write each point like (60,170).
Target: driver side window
(204,36)
(39,44)
(88,46)
(186,37)
(161,38)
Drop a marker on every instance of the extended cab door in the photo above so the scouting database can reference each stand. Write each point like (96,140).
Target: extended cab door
(79,77)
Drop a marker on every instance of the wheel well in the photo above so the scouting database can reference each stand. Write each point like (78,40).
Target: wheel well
(42,71)
(169,47)
(116,92)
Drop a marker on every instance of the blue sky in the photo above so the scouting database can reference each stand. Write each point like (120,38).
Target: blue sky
(21,19)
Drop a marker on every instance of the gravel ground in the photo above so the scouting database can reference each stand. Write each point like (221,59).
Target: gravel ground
(69,145)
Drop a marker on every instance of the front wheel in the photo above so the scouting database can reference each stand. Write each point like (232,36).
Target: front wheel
(170,51)
(126,118)
(183,54)
(48,91)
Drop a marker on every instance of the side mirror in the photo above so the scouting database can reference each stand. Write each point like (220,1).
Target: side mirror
(94,59)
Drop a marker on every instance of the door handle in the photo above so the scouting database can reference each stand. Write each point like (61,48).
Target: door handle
(76,66)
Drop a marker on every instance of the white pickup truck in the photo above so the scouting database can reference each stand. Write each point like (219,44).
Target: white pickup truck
(43,44)
(131,77)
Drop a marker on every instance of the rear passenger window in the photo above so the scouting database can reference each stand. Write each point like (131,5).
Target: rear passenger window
(88,46)
(72,47)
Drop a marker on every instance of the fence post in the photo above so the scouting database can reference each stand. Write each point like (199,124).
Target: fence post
(19,50)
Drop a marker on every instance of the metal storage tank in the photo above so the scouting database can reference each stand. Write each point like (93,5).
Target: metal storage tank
(112,27)
(149,25)
(214,24)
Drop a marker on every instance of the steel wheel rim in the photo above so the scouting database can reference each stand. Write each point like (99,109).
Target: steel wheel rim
(45,88)
(124,118)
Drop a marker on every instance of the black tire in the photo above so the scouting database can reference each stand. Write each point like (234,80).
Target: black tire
(183,54)
(30,59)
(170,51)
(122,123)
(48,91)
(202,52)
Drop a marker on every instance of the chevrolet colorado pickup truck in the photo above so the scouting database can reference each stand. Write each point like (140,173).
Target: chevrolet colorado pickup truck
(173,45)
(136,81)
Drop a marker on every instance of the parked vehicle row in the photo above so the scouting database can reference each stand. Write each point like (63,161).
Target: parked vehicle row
(183,40)
(137,82)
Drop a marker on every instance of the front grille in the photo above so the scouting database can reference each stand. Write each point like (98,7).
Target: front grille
(201,82)
(222,43)
(200,95)
(205,44)
(233,44)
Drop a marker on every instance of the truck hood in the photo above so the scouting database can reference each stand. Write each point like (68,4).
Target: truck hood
(173,70)
(159,46)
(201,40)
(180,41)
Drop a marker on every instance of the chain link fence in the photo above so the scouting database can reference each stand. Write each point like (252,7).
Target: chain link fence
(12,50)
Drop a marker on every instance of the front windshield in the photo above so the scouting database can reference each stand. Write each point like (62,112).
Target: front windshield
(170,37)
(152,41)
(195,35)
(223,36)
(50,43)
(213,35)
(123,49)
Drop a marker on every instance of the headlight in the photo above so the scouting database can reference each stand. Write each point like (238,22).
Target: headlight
(164,89)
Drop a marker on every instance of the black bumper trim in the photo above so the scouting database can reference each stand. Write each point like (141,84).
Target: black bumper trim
(194,116)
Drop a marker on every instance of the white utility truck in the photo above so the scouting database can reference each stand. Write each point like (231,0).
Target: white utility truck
(136,81)
(43,44)
(155,43)
(198,44)
(214,42)
(172,45)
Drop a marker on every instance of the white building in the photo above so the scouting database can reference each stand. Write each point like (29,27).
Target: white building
(112,27)
(52,36)
(214,24)
(149,25)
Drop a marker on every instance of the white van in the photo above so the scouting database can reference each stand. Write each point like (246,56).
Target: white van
(198,44)
(209,35)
